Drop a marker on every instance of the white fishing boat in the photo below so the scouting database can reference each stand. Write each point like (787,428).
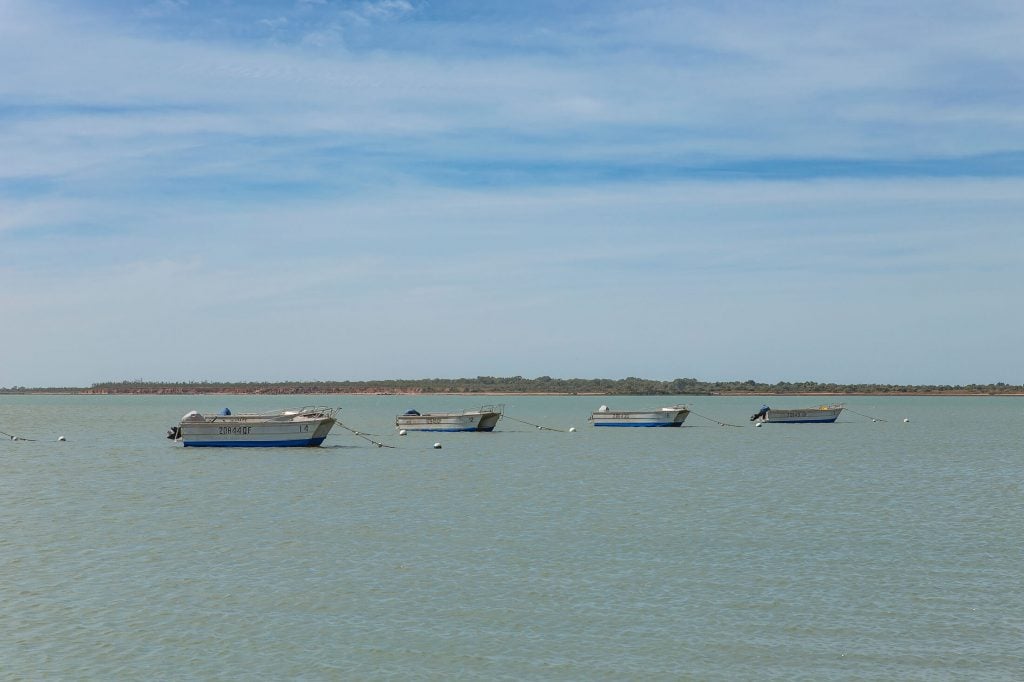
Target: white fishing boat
(823,414)
(664,416)
(482,419)
(304,427)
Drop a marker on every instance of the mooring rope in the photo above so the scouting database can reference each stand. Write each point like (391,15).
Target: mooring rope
(867,415)
(13,437)
(738,426)
(367,433)
(542,428)
(364,436)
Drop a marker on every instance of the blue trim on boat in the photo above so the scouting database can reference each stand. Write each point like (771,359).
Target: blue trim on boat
(650,425)
(446,430)
(802,421)
(299,443)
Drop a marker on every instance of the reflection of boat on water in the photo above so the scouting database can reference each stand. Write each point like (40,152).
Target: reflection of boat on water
(481,419)
(665,416)
(304,427)
(823,414)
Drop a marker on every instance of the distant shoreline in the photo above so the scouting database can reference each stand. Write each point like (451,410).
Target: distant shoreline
(468,394)
(484,386)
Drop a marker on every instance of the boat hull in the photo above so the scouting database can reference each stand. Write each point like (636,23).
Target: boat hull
(448,421)
(806,416)
(649,418)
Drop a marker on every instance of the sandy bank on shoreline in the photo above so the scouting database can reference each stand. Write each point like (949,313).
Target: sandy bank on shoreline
(832,395)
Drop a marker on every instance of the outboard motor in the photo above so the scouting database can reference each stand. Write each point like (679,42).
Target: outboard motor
(174,433)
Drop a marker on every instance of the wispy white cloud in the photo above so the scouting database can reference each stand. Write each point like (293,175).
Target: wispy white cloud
(209,159)
(275,23)
(810,100)
(387,9)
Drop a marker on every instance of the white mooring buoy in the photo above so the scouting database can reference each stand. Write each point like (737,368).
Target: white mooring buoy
(61,438)
(906,420)
(401,432)
(572,429)
(758,424)
(437,446)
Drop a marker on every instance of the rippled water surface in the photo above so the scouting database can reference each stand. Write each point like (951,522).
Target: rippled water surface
(859,550)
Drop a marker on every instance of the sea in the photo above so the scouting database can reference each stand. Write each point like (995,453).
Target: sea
(886,546)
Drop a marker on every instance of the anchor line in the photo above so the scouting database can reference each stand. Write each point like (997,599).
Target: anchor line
(738,426)
(367,433)
(364,436)
(542,428)
(866,415)
(13,437)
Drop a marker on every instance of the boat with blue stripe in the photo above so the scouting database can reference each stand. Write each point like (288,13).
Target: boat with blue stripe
(302,427)
(664,416)
(480,419)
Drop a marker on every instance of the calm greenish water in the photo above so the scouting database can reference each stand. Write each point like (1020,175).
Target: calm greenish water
(859,550)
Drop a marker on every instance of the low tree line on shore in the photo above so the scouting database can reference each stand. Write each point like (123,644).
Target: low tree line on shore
(518,384)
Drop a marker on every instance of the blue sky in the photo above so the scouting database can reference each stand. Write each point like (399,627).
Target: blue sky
(317,189)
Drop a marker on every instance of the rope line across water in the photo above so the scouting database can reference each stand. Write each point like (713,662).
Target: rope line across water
(738,426)
(866,415)
(13,437)
(542,428)
(364,436)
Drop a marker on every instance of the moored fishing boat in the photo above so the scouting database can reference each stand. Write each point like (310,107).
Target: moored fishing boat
(665,416)
(823,414)
(304,427)
(482,419)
